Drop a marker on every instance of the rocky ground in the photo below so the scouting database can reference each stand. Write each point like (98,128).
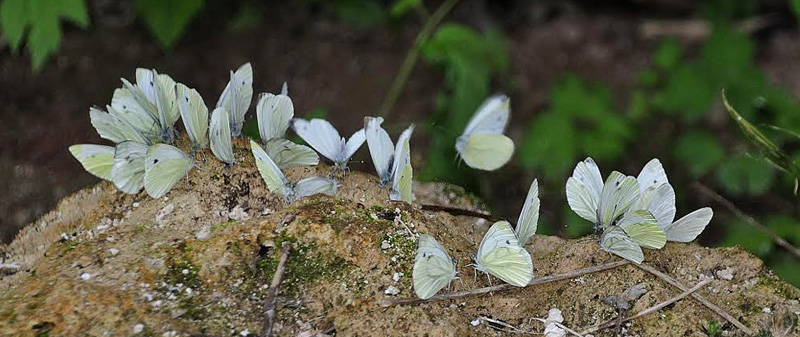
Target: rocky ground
(199,262)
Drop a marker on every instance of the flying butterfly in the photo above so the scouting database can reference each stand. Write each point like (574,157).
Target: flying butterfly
(433,267)
(483,145)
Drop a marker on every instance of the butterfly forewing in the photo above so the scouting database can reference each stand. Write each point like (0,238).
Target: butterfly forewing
(529,217)
(433,267)
(95,159)
(615,241)
(127,174)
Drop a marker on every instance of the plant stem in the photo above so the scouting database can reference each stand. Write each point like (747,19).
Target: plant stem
(272,294)
(748,219)
(649,310)
(484,290)
(411,58)
(459,212)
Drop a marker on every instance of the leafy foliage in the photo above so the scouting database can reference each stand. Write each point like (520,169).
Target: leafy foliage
(581,121)
(40,20)
(746,175)
(468,60)
(167,19)
(700,151)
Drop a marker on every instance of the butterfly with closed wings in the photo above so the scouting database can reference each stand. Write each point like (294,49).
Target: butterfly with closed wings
(279,184)
(483,145)
(433,267)
(274,113)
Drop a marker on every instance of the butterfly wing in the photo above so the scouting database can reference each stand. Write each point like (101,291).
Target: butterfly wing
(220,134)
(529,217)
(615,241)
(274,112)
(272,175)
(236,97)
(485,151)
(95,159)
(501,255)
(643,229)
(127,173)
(110,126)
(164,166)
(315,185)
(652,174)
(687,228)
(381,148)
(589,175)
(433,267)
(195,116)
(618,195)
(127,107)
(491,117)
(660,201)
(402,152)
(352,145)
(286,153)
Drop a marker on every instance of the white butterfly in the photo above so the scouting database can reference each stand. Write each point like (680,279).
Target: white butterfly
(220,134)
(403,179)
(113,127)
(324,138)
(195,116)
(164,166)
(236,97)
(388,158)
(278,184)
(659,199)
(433,267)
(127,173)
(154,93)
(274,113)
(528,220)
(126,106)
(615,241)
(95,159)
(483,145)
(501,255)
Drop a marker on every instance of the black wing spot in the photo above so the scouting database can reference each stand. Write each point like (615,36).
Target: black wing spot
(655,181)
(508,242)
(424,254)
(616,183)
(155,161)
(151,83)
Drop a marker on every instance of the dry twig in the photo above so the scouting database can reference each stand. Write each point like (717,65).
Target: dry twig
(272,294)
(484,290)
(717,310)
(558,325)
(748,219)
(459,212)
(649,310)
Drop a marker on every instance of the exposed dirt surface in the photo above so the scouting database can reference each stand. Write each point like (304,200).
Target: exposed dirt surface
(199,262)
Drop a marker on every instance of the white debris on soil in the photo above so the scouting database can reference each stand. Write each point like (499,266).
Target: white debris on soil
(164,212)
(552,329)
(475,322)
(113,251)
(238,213)
(203,233)
(725,274)
(392,291)
(138,328)
(396,277)
(86,276)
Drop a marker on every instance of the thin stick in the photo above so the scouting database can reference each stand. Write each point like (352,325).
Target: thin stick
(510,327)
(748,219)
(411,58)
(484,290)
(558,325)
(717,310)
(649,310)
(459,212)
(272,294)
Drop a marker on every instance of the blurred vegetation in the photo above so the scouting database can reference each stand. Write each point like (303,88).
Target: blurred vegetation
(672,113)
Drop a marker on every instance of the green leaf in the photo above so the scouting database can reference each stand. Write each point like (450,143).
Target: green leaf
(13,20)
(581,121)
(45,35)
(75,11)
(700,151)
(402,7)
(746,175)
(688,92)
(360,13)
(744,235)
(167,19)
(668,54)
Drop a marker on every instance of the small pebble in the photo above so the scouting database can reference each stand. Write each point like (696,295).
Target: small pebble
(185,271)
(475,322)
(136,204)
(86,276)
(767,310)
(396,276)
(385,245)
(138,328)
(391,290)
(113,251)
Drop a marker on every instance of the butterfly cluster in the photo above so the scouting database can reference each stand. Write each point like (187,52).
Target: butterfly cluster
(632,213)
(501,253)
